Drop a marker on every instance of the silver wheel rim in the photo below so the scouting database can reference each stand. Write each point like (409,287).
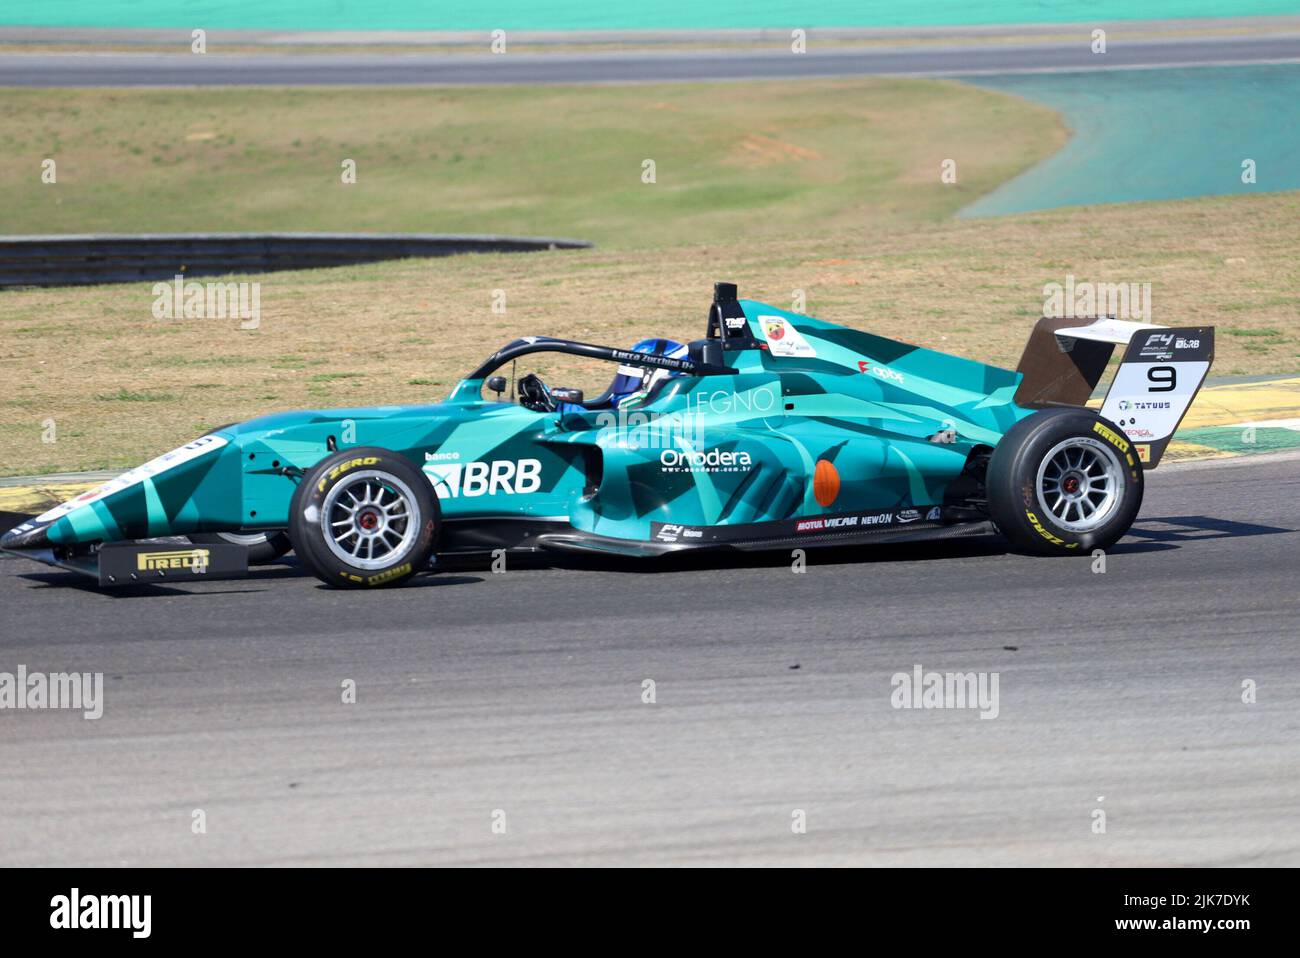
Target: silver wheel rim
(1080,482)
(368,520)
(248,539)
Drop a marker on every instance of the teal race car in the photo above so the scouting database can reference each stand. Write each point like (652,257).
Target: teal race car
(774,431)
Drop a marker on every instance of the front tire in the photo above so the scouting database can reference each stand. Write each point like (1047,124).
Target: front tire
(1064,481)
(364,518)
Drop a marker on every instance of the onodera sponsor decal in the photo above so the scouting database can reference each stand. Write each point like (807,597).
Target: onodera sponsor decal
(715,460)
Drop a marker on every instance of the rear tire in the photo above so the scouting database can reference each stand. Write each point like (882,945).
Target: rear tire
(263,547)
(1064,481)
(364,518)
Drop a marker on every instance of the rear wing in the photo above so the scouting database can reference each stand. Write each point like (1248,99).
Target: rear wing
(1159,376)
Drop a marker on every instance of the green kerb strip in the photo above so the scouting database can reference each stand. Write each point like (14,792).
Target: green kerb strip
(1240,441)
(584,15)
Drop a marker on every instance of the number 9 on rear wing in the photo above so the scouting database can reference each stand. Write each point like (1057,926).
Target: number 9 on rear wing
(1160,374)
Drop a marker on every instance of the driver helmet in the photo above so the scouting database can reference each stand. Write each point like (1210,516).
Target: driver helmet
(633,384)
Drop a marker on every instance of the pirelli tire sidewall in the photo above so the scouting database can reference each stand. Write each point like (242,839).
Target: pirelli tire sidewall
(308,537)
(1012,477)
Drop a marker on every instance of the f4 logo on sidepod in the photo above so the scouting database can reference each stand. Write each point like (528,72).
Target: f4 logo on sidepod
(471,479)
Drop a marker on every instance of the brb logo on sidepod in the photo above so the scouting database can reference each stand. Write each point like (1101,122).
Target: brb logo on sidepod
(470,479)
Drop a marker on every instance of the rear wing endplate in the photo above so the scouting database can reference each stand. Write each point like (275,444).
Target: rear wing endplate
(1161,372)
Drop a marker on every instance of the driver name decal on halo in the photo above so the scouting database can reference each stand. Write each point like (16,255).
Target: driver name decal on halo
(783,339)
(472,479)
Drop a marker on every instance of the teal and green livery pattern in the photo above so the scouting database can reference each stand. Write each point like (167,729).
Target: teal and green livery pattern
(806,419)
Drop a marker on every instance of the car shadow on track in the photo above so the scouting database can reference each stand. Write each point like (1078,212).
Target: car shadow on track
(707,559)
(1178,529)
(1154,534)
(246,585)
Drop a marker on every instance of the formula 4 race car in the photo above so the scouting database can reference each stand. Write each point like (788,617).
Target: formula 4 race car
(775,431)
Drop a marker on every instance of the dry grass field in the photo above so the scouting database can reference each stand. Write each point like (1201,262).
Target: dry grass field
(732,161)
(122,386)
(830,187)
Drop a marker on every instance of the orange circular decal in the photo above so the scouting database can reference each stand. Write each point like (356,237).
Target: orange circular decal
(826,483)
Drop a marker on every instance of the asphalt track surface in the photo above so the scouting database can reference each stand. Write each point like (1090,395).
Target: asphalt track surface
(522,692)
(272,69)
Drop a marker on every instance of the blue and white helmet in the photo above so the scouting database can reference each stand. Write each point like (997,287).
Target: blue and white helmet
(632,380)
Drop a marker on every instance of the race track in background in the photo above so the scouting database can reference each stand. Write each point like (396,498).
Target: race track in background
(522,692)
(1156,134)
(583,15)
(351,69)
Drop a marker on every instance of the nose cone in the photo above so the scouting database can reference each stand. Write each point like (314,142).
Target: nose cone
(138,504)
(74,521)
(29,535)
